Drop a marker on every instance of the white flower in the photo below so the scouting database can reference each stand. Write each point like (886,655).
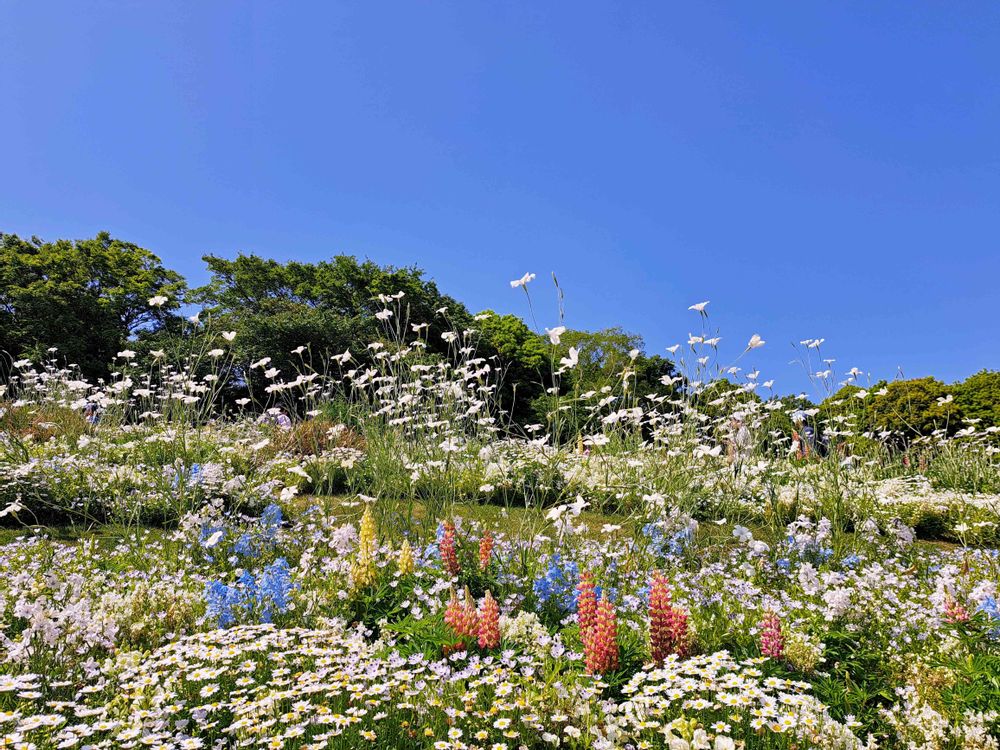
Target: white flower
(755,342)
(229,335)
(523,281)
(700,306)
(216,353)
(571,360)
(555,333)
(126,354)
(157,301)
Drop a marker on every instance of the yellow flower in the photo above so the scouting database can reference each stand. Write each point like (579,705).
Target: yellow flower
(363,571)
(405,558)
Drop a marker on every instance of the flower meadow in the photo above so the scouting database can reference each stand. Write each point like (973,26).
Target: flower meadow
(374,555)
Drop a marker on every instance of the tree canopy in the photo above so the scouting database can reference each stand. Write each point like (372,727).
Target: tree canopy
(85,298)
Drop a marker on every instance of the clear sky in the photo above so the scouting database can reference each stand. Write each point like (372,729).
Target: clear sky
(814,169)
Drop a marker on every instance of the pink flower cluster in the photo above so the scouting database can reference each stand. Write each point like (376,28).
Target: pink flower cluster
(668,625)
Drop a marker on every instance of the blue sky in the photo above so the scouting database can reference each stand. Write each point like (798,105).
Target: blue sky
(814,169)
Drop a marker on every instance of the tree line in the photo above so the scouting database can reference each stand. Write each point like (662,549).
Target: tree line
(82,301)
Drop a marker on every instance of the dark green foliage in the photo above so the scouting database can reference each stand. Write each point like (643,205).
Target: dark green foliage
(978,396)
(328,307)
(85,297)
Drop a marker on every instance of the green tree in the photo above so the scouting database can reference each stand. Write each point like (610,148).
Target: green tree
(87,298)
(979,398)
(910,408)
(328,307)
(522,358)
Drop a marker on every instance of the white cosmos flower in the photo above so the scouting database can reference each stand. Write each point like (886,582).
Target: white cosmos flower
(523,281)
(158,301)
(700,306)
(126,354)
(216,353)
(229,335)
(242,401)
(673,349)
(555,333)
(571,360)
(299,349)
(755,342)
(158,353)
(384,314)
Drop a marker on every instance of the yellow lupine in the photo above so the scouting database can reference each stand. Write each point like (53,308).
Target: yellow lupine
(363,571)
(405,558)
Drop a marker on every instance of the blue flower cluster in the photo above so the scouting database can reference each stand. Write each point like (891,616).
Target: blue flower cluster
(558,585)
(256,598)
(194,475)
(990,608)
(850,561)
(812,551)
(661,545)
(249,543)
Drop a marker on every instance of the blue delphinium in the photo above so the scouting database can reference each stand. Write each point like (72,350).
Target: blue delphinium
(558,585)
(660,545)
(253,598)
(656,538)
(244,546)
(680,540)
(270,521)
(221,602)
(991,609)
(274,587)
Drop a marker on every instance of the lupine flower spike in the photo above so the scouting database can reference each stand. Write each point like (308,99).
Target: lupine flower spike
(489,622)
(461,617)
(405,563)
(772,642)
(485,550)
(601,645)
(449,552)
(363,571)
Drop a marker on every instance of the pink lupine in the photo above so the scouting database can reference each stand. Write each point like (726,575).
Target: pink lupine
(449,550)
(668,625)
(489,622)
(601,645)
(462,617)
(485,550)
(772,642)
(955,612)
